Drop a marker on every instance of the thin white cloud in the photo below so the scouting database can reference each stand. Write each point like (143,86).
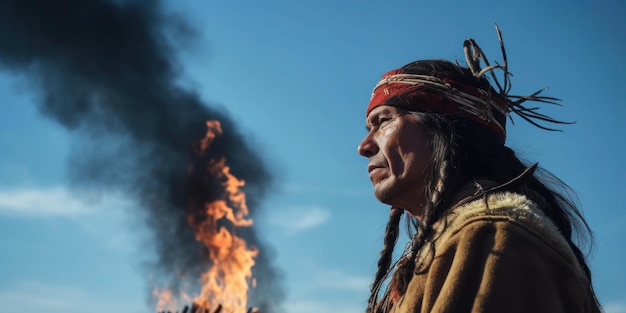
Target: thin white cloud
(300,219)
(31,296)
(615,307)
(311,306)
(36,297)
(90,212)
(56,201)
(37,202)
(334,279)
(332,190)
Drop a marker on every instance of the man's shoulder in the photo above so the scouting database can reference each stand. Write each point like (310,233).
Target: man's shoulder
(513,212)
(502,206)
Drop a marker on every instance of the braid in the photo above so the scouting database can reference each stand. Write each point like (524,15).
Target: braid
(439,187)
(384,262)
(406,266)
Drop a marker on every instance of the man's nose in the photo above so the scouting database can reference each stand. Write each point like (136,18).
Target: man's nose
(368,147)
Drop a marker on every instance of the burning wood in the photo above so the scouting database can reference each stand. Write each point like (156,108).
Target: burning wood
(198,309)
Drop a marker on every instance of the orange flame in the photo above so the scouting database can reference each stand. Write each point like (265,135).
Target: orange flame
(165,300)
(228,280)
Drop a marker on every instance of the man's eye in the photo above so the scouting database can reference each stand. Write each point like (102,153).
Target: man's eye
(383,120)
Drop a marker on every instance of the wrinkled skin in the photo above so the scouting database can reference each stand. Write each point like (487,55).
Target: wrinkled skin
(397,150)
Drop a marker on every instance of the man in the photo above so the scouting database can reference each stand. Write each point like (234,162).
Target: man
(491,235)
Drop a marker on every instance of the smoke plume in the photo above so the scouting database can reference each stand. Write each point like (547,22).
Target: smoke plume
(106,71)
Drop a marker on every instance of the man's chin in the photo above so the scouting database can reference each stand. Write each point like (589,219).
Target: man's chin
(383,193)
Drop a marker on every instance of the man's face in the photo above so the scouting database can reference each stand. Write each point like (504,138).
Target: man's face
(397,150)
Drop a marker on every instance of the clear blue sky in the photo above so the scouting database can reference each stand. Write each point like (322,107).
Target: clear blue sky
(297,76)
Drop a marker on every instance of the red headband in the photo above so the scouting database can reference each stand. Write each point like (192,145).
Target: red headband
(430,94)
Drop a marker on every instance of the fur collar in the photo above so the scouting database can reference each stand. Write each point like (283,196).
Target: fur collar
(507,206)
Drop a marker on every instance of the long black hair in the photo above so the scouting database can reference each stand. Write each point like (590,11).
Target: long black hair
(463,151)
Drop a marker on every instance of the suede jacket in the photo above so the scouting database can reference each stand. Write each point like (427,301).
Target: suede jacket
(497,254)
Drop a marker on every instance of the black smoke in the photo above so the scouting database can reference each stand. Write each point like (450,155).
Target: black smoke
(106,70)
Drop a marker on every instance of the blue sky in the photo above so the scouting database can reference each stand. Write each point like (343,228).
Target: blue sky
(297,76)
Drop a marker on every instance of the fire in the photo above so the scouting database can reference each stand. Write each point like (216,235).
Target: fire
(226,283)
(165,300)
